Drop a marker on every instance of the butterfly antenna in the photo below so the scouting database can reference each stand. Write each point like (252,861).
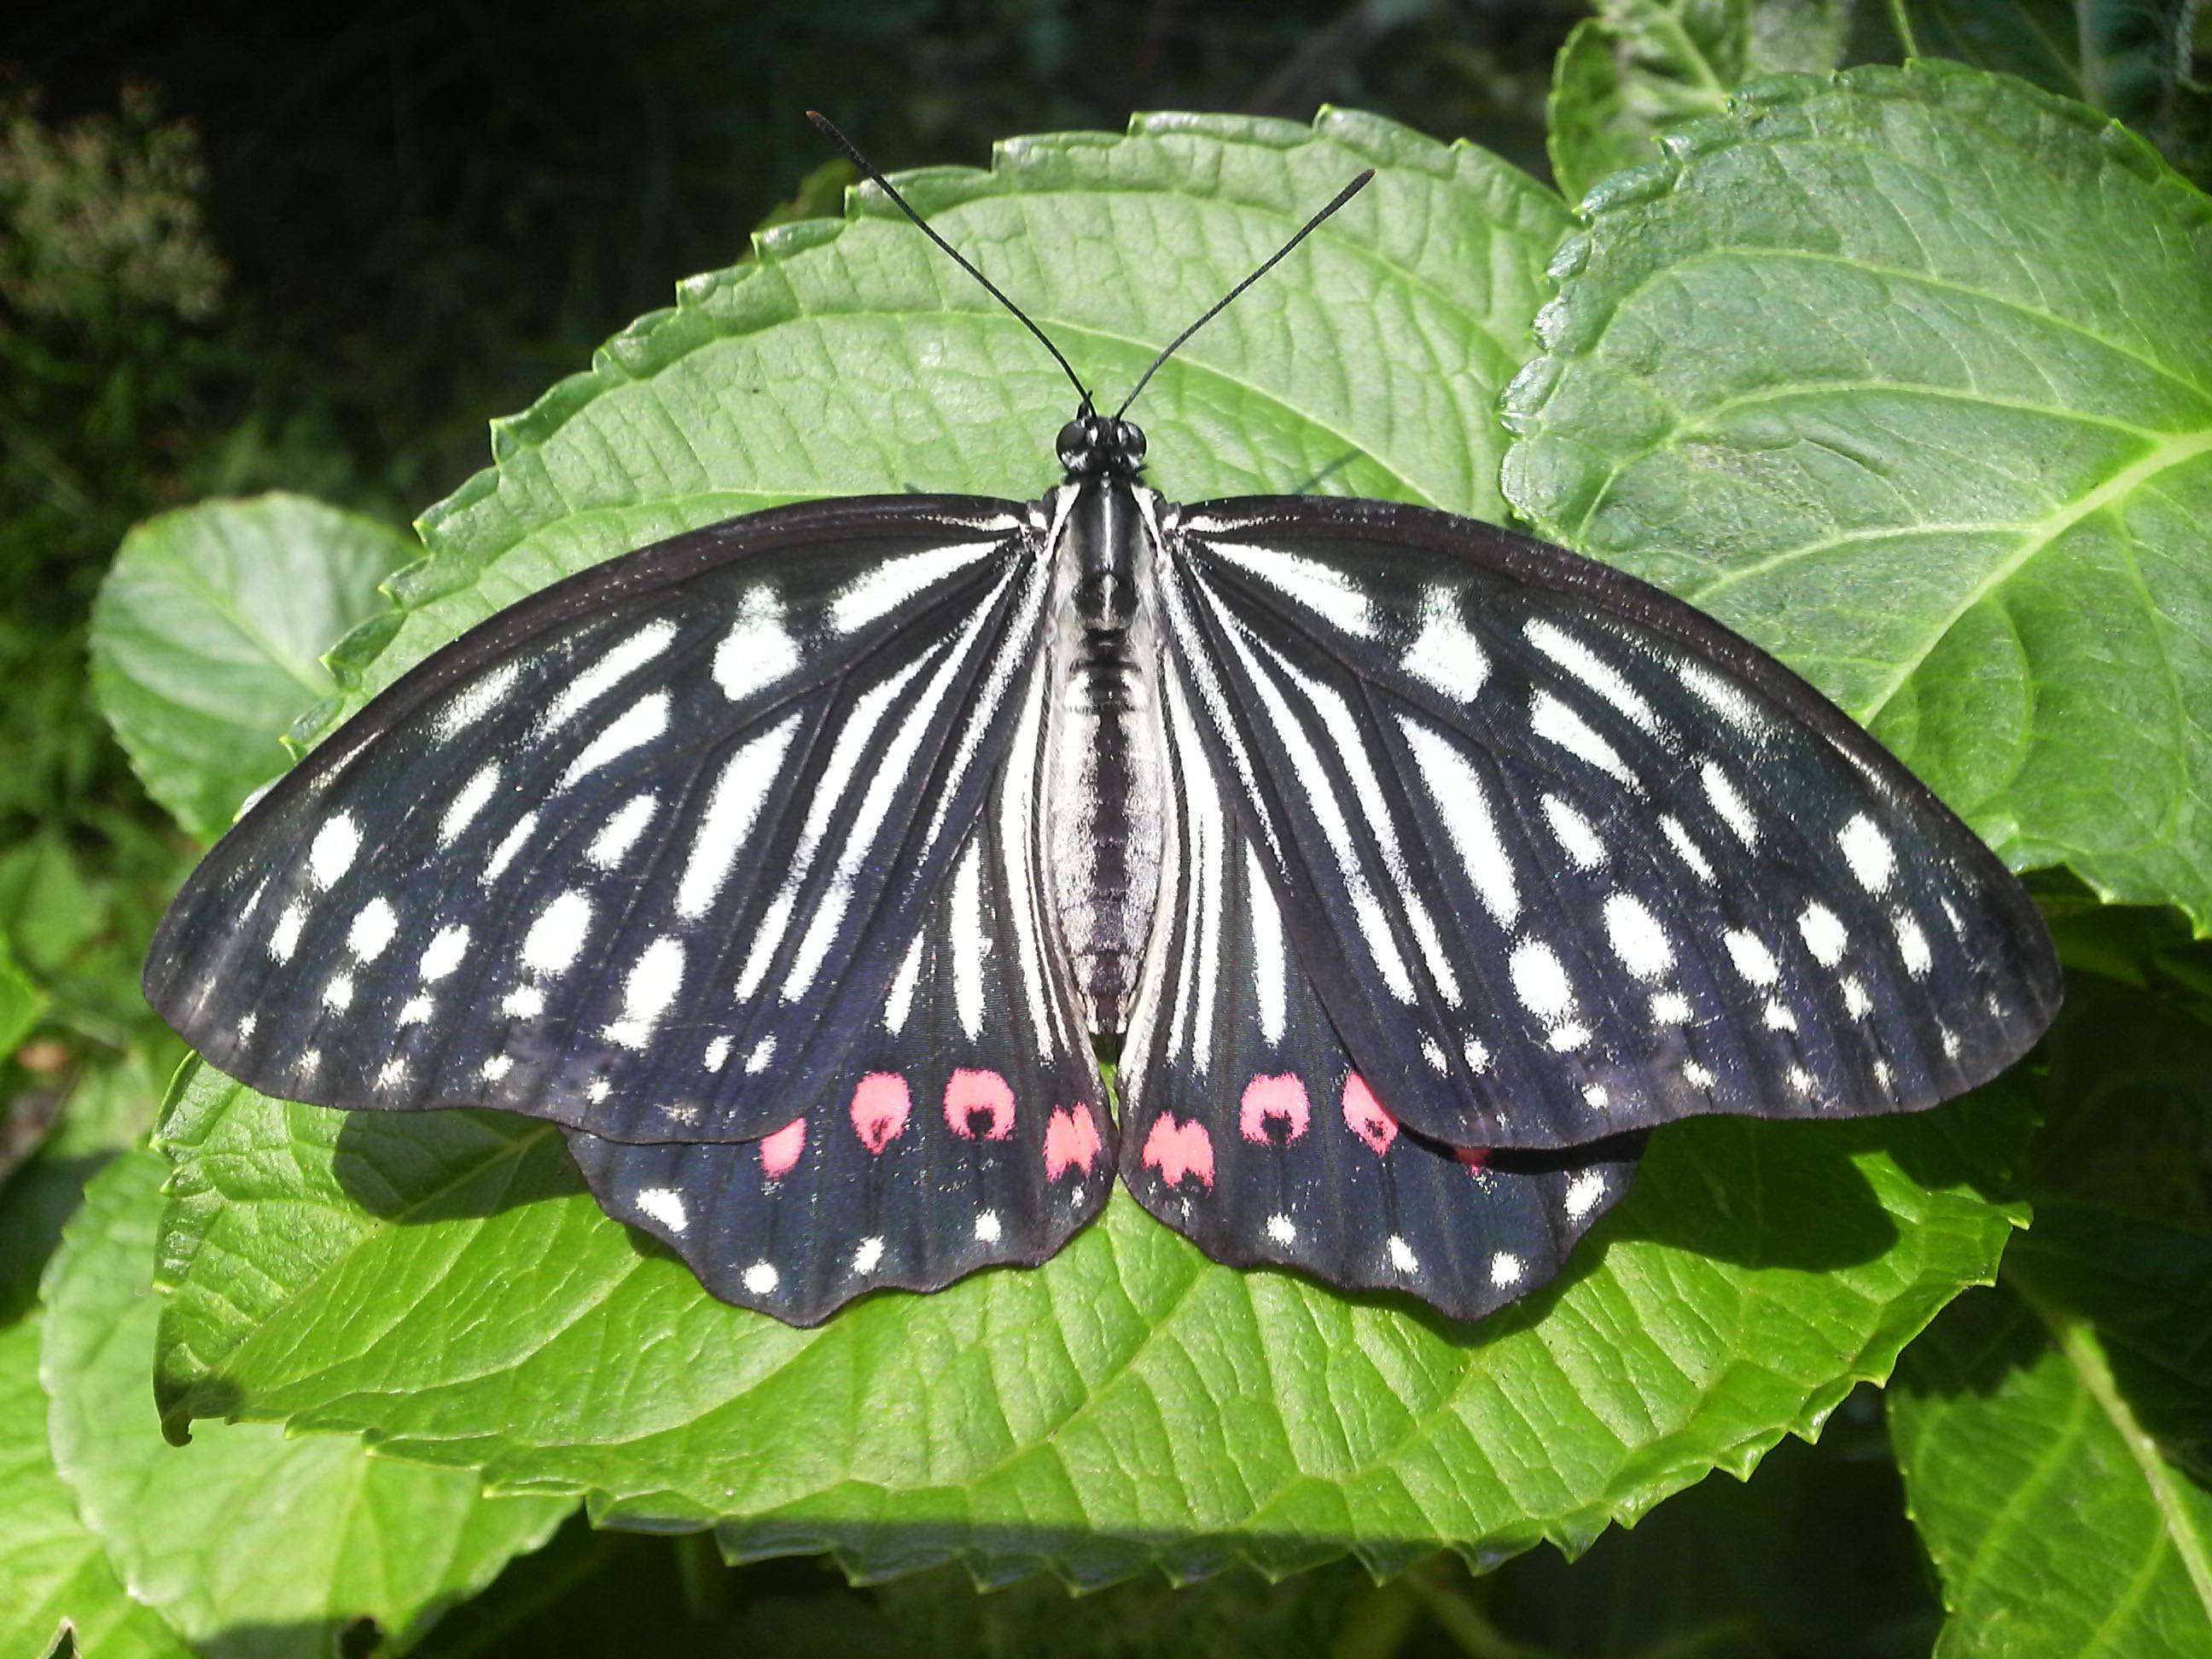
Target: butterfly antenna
(828,131)
(1222,304)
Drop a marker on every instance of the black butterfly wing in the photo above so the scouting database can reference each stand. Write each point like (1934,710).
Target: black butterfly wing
(1564,856)
(1247,1126)
(968,1127)
(640,854)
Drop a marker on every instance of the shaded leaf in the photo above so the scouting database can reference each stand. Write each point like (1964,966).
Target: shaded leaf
(2130,58)
(1640,68)
(208,636)
(1909,377)
(2054,1434)
(248,1542)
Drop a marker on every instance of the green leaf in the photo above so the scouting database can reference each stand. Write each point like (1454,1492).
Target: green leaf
(2047,1429)
(193,1530)
(1908,376)
(208,635)
(54,1571)
(442,1284)
(22,1002)
(2130,58)
(1640,68)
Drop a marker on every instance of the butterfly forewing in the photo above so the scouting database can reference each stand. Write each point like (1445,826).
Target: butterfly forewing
(1566,858)
(1247,1125)
(640,853)
(967,1127)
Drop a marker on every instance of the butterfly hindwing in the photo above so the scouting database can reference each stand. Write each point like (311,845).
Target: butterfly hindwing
(1247,1126)
(1565,857)
(968,1127)
(639,854)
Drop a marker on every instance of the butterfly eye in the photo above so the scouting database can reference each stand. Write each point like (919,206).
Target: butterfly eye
(1075,445)
(1129,442)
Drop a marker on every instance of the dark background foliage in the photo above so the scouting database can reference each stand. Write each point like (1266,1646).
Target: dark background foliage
(245,246)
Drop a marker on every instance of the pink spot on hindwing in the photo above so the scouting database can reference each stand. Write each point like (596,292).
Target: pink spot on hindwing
(1366,1116)
(1477,1158)
(1071,1141)
(969,1093)
(1281,1098)
(780,1150)
(881,1105)
(1177,1149)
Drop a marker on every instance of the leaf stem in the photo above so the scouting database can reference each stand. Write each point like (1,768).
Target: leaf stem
(1903,24)
(704,1576)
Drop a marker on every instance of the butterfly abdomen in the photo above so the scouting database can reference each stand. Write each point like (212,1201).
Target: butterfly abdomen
(1104,777)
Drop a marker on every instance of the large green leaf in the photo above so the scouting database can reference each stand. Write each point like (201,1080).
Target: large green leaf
(2056,1436)
(53,1571)
(442,1284)
(248,1542)
(208,637)
(1909,376)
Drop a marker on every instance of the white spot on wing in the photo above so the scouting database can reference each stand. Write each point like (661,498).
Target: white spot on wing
(1464,807)
(901,1000)
(1869,853)
(1912,944)
(1444,655)
(524,1002)
(284,938)
(1329,593)
(1583,1193)
(444,952)
(1734,809)
(1822,930)
(1269,968)
(665,1205)
(1540,981)
(869,1256)
(635,726)
(1402,1257)
(757,650)
(1670,1008)
(1752,958)
(1554,721)
(1282,1230)
(556,938)
(873,595)
(986,1226)
(1685,848)
(620,832)
(732,812)
(1727,701)
(474,795)
(471,703)
(587,686)
(1505,1268)
(654,980)
(331,853)
(969,941)
(761,1278)
(1592,670)
(338,993)
(1637,937)
(503,854)
(718,1053)
(1577,839)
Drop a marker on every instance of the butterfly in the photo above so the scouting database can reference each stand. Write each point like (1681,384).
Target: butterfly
(799,867)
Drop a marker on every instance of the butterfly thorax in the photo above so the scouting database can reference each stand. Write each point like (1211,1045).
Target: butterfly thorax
(1102,756)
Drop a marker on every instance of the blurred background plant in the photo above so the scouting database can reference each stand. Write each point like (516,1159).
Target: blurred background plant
(247,246)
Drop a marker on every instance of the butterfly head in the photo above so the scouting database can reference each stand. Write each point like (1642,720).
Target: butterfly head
(1093,446)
